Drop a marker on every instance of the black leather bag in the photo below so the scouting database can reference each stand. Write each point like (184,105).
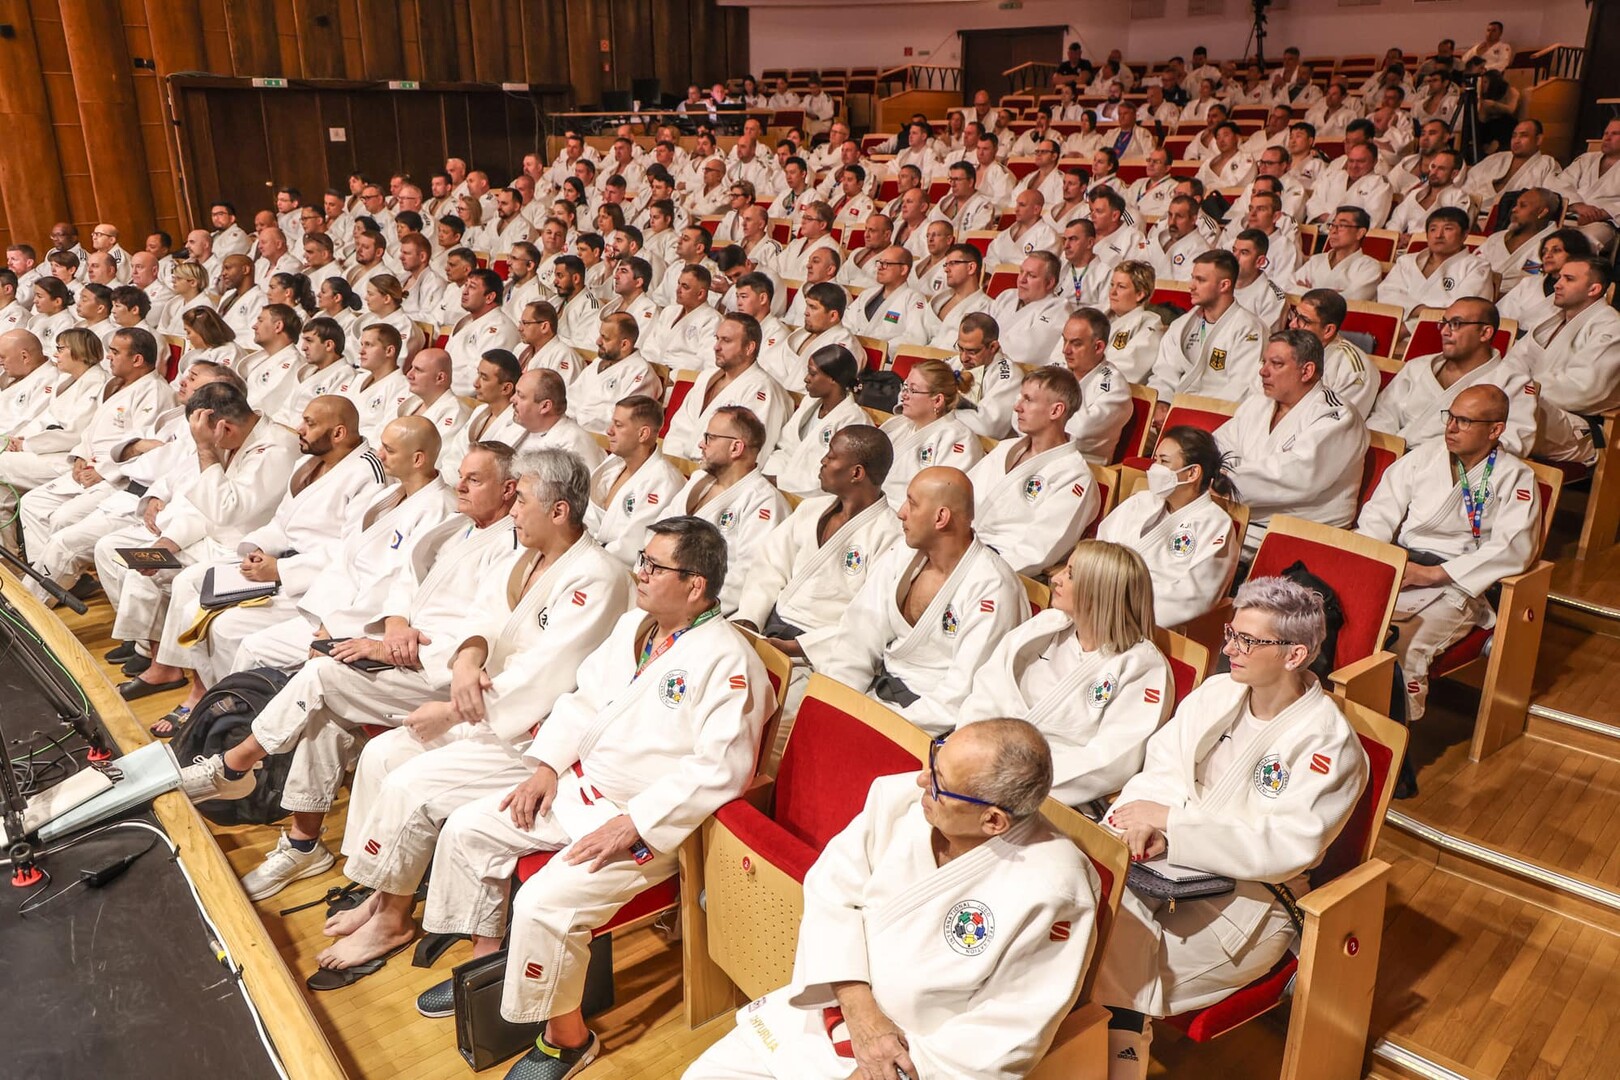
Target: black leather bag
(483,1036)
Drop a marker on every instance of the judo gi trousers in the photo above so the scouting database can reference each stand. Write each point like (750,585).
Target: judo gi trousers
(553,914)
(1427,632)
(318,710)
(403,791)
(213,656)
(51,527)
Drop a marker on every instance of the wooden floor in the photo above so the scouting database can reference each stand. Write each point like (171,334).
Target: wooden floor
(1475,975)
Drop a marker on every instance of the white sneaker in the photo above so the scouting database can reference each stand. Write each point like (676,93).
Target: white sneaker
(205,779)
(285,865)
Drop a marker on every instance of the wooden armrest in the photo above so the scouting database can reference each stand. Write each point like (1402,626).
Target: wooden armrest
(1540,570)
(1318,902)
(759,793)
(1079,1050)
(1367,681)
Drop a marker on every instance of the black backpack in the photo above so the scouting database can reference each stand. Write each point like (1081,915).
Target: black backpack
(223,718)
(879,390)
(1332,614)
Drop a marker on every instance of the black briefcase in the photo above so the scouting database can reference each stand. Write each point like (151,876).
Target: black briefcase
(483,1036)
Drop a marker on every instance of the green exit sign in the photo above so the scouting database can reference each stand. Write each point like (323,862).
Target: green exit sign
(404,84)
(270,84)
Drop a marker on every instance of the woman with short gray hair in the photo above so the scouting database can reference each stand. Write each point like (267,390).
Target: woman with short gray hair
(1251,780)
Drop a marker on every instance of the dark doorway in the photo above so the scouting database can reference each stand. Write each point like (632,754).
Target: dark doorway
(988,53)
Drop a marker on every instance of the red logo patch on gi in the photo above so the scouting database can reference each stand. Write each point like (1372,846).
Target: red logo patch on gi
(1320,763)
(759,395)
(739,682)
(1532,389)
(448,421)
(1151,696)
(1413,687)
(1059,931)
(1219,540)
(1079,490)
(579,598)
(652,498)
(372,847)
(1522,494)
(532,970)
(764,513)
(960,448)
(987,606)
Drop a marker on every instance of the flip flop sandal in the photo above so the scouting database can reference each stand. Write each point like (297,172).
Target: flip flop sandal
(176,719)
(337,899)
(433,946)
(338,978)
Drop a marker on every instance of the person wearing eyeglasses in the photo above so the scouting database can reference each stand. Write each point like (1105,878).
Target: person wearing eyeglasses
(1295,448)
(1573,360)
(1346,370)
(927,430)
(729,489)
(1342,266)
(961,294)
(930,612)
(892,310)
(1468,511)
(1253,778)
(740,196)
(964,207)
(662,731)
(874,991)
(1411,406)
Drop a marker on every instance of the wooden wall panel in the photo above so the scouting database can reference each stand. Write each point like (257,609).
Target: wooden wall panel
(295,147)
(585,57)
(255,45)
(631,23)
(319,38)
(672,58)
(340,161)
(30,168)
(545,41)
(382,46)
(151,108)
(216,38)
(422,114)
(486,25)
(436,37)
(105,92)
(286,31)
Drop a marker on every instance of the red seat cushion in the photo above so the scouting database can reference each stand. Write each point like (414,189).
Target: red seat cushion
(1363,585)
(1240,1006)
(653,898)
(775,844)
(1466,651)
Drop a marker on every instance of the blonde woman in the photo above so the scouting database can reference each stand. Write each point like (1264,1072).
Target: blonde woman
(1134,328)
(1086,672)
(209,338)
(1177,527)
(385,297)
(926,431)
(191,286)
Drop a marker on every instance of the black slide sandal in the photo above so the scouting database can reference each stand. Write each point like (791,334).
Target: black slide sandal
(338,978)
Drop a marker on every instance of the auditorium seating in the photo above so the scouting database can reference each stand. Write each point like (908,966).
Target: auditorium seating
(1133,438)
(1425,339)
(1382,451)
(905,356)
(1381,321)
(1332,975)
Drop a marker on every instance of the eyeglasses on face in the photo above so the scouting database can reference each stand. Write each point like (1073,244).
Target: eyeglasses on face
(1450,418)
(646,566)
(708,435)
(941,793)
(1247,643)
(1457,324)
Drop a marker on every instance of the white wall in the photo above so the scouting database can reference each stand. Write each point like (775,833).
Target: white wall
(837,35)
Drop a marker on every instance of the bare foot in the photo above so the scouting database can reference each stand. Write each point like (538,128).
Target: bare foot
(367,943)
(347,922)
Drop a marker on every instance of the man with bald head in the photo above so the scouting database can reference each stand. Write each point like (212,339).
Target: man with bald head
(540,407)
(428,374)
(1029,232)
(1455,556)
(240,300)
(144,270)
(889,985)
(338,471)
(930,612)
(29,379)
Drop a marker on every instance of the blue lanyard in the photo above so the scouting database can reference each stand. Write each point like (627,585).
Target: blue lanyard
(1474,500)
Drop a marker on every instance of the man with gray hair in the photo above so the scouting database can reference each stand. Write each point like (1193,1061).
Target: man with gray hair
(873,990)
(538,615)
(1296,448)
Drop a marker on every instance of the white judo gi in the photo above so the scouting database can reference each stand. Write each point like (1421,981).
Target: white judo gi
(1419,505)
(1219,359)
(1190,554)
(28,396)
(903,316)
(1575,367)
(620,523)
(796,461)
(1463,274)
(977,961)
(745,513)
(404,789)
(1032,513)
(682,339)
(1028,331)
(1410,406)
(752,389)
(1096,709)
(1133,343)
(1309,464)
(936,658)
(667,745)
(988,396)
(471,340)
(1290,786)
(303,534)
(1356,277)
(945,441)
(1105,409)
(601,386)
(326,698)
(56,432)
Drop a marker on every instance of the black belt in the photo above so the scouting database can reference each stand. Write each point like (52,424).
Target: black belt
(775,627)
(891,688)
(136,488)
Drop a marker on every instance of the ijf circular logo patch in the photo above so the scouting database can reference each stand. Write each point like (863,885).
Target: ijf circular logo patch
(1449,283)
(826,436)
(629,504)
(949,623)
(728,518)
(1270,777)
(1182,543)
(1032,488)
(672,691)
(1101,691)
(969,928)
(854,559)
(925,454)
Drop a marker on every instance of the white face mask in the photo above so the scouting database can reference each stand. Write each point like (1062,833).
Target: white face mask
(1161,480)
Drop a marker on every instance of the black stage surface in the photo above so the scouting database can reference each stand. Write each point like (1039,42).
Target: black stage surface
(118,982)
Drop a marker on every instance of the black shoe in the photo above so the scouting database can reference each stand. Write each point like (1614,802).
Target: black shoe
(135,689)
(136,664)
(547,1062)
(122,653)
(85,587)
